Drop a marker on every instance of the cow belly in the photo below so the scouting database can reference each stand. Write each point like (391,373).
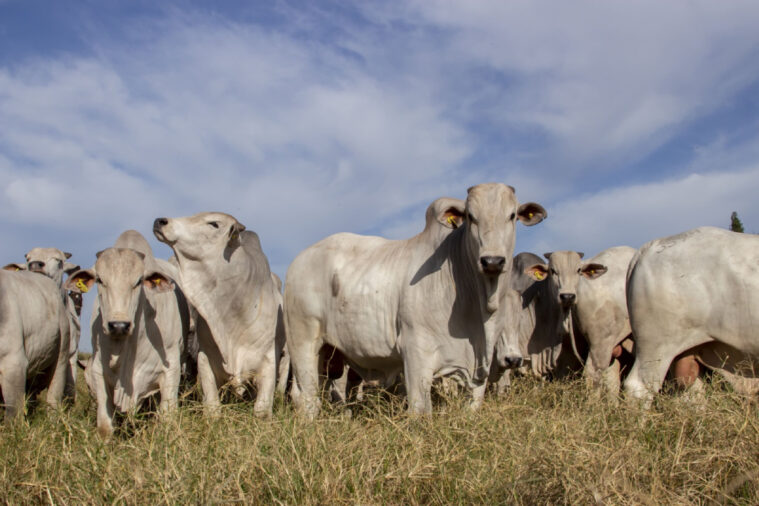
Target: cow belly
(363,331)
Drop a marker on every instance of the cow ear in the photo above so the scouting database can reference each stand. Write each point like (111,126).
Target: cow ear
(581,254)
(538,272)
(157,282)
(234,233)
(67,254)
(69,268)
(531,213)
(593,271)
(452,217)
(14,267)
(548,255)
(80,281)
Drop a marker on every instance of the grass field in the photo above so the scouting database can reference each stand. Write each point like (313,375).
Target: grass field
(544,443)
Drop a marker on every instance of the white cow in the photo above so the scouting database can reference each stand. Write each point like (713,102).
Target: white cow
(52,263)
(695,293)
(601,315)
(226,277)
(421,306)
(34,339)
(138,329)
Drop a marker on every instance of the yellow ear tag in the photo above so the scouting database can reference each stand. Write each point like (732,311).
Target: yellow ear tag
(452,221)
(592,272)
(80,284)
(539,275)
(157,281)
(234,237)
(18,269)
(530,215)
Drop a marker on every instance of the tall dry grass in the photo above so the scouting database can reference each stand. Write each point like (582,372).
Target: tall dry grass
(542,443)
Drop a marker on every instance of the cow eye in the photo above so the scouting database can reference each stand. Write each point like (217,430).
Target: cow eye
(553,272)
(214,224)
(139,282)
(513,215)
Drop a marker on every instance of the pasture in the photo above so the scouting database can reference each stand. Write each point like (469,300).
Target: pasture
(543,443)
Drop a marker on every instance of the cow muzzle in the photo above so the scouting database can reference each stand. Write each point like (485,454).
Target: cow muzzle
(567,299)
(119,328)
(36,266)
(511,362)
(492,265)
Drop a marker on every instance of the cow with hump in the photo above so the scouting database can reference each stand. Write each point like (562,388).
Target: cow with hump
(138,328)
(34,339)
(694,298)
(226,277)
(423,307)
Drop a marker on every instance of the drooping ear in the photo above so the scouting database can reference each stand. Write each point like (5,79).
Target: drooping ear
(538,272)
(67,254)
(531,213)
(234,233)
(452,217)
(593,271)
(68,267)
(80,281)
(14,267)
(157,282)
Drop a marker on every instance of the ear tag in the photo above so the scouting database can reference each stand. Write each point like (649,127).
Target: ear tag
(539,275)
(592,272)
(452,221)
(530,215)
(233,237)
(80,284)
(18,269)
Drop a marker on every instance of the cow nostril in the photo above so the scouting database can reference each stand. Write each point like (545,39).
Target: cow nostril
(36,265)
(119,328)
(513,361)
(567,298)
(160,222)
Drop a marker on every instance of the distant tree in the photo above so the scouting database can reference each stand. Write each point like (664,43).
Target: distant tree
(735,223)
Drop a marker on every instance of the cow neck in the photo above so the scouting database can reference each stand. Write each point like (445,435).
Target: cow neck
(206,291)
(123,351)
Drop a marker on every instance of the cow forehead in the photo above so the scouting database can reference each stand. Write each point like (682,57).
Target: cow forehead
(208,216)
(565,261)
(119,264)
(45,254)
(493,197)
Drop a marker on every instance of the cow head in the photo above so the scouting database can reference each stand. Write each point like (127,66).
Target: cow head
(563,272)
(51,262)
(492,212)
(202,236)
(121,279)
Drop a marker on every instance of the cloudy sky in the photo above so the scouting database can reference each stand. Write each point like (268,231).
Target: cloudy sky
(626,120)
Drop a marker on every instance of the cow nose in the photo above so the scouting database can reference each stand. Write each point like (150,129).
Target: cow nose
(160,222)
(567,298)
(492,264)
(119,328)
(36,266)
(512,362)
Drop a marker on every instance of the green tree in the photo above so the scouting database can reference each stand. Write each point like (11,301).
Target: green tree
(735,223)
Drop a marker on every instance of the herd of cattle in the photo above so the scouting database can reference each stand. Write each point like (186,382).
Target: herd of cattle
(361,311)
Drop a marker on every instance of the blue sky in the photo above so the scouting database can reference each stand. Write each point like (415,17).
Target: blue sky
(627,120)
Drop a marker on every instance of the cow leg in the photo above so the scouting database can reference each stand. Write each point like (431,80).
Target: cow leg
(208,383)
(60,373)
(266,382)
(283,372)
(169,387)
(104,397)
(304,344)
(478,395)
(13,384)
(610,380)
(504,383)
(418,373)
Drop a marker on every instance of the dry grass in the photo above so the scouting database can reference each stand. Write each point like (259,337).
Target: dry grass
(543,443)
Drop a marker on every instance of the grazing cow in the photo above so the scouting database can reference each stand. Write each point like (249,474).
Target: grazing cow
(34,339)
(138,329)
(52,263)
(226,277)
(422,306)
(601,315)
(694,293)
